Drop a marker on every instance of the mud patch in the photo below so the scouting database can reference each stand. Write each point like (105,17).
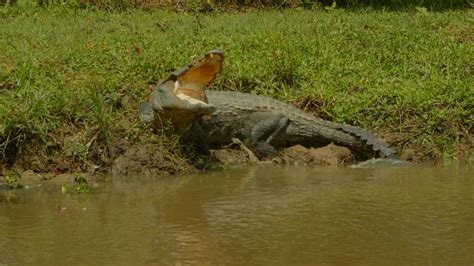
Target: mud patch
(149,160)
(36,157)
(30,179)
(230,156)
(328,155)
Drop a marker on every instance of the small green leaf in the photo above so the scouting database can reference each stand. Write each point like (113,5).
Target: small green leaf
(66,188)
(332,7)
(422,10)
(80,179)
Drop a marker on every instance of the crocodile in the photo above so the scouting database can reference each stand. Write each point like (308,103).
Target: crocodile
(263,124)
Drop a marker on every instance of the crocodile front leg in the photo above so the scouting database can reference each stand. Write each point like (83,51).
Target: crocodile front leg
(263,132)
(198,136)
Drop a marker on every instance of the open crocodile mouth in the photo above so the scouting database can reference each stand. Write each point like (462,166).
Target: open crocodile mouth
(190,81)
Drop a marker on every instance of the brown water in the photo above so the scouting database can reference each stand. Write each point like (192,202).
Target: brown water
(264,215)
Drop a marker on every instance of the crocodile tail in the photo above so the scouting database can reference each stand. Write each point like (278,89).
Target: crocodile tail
(375,143)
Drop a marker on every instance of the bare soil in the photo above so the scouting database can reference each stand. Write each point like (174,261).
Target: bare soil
(296,155)
(77,152)
(148,159)
(35,164)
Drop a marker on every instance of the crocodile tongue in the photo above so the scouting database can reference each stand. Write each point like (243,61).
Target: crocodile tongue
(191,80)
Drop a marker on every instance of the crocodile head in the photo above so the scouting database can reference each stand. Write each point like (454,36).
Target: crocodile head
(180,98)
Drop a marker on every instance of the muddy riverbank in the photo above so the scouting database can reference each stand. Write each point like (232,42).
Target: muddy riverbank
(79,152)
(35,166)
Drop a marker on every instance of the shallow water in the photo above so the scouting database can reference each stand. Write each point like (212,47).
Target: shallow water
(259,215)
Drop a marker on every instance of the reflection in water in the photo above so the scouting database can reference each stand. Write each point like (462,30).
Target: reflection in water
(259,215)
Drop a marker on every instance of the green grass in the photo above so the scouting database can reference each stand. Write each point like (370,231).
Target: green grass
(402,4)
(207,5)
(406,74)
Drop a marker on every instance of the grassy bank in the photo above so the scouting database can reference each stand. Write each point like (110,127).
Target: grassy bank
(71,80)
(208,5)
